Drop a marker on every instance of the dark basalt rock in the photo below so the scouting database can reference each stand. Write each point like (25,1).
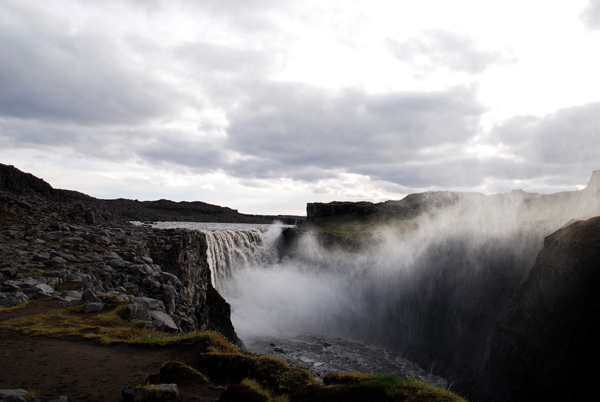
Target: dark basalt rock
(546,347)
(50,246)
(12,179)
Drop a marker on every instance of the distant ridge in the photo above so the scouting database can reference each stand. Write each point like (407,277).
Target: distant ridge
(581,202)
(15,181)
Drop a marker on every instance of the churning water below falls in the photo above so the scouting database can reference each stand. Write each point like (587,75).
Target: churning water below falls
(432,296)
(279,307)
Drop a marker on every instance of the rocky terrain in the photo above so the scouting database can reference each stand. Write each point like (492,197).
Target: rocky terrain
(92,306)
(79,251)
(54,248)
(74,250)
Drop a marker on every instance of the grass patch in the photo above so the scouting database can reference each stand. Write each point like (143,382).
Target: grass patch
(270,372)
(254,385)
(390,385)
(356,228)
(14,308)
(274,373)
(346,378)
(109,327)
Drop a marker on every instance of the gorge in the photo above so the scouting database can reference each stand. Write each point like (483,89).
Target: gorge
(462,284)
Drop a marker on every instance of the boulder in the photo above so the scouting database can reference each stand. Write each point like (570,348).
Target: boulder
(13,299)
(93,307)
(162,321)
(71,295)
(43,290)
(89,296)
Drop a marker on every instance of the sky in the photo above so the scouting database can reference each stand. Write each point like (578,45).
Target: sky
(265,105)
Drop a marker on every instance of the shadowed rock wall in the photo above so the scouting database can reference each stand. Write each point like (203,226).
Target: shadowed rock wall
(546,346)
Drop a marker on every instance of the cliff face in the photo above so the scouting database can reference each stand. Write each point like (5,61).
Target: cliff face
(546,345)
(57,243)
(406,208)
(183,254)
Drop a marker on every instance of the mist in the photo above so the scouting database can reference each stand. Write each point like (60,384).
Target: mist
(430,288)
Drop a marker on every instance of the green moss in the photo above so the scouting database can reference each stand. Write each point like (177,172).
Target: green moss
(278,376)
(355,228)
(265,392)
(346,378)
(109,327)
(14,308)
(385,388)
(388,384)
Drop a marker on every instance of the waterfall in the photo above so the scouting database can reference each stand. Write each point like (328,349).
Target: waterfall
(233,250)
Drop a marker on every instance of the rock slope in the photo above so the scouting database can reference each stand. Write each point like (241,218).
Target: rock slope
(76,251)
(546,345)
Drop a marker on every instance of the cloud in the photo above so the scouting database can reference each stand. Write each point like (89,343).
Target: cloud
(292,127)
(590,16)
(438,48)
(51,73)
(200,87)
(566,137)
(562,145)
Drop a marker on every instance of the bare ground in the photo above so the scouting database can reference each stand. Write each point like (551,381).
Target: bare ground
(84,370)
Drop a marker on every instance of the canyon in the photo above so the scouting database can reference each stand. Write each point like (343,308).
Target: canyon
(495,293)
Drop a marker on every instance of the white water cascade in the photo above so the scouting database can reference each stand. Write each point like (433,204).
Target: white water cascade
(234,250)
(233,247)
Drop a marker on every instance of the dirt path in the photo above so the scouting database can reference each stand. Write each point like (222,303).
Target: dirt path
(81,369)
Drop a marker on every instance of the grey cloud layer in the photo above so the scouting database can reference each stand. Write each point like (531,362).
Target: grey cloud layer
(295,126)
(113,97)
(569,136)
(48,73)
